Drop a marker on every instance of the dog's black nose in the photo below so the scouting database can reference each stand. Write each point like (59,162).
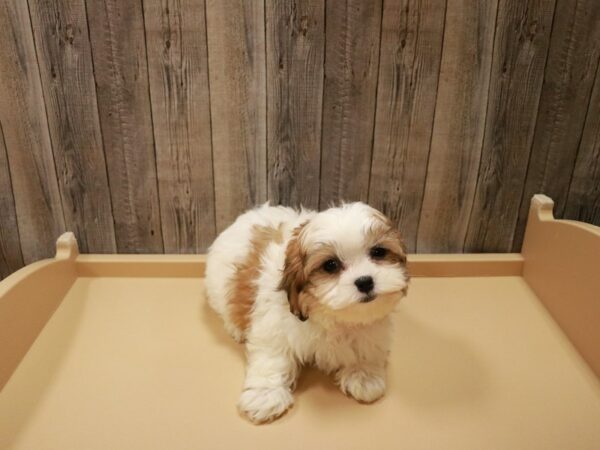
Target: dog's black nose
(364,284)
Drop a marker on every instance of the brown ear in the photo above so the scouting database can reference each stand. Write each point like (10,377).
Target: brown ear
(293,280)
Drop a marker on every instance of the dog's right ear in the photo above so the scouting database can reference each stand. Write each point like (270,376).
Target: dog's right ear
(293,279)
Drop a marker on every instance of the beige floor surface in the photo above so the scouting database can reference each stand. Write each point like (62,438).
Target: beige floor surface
(142,363)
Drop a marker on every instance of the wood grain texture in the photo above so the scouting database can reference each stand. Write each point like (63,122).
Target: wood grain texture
(237,73)
(568,81)
(583,202)
(178,69)
(65,62)
(119,56)
(23,117)
(11,258)
(351,67)
(458,126)
(150,125)
(411,47)
(520,50)
(295,38)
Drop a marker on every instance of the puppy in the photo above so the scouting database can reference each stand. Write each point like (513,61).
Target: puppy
(301,287)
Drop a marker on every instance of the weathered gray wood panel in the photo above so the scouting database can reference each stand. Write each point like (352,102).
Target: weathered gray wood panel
(178,69)
(458,126)
(236,58)
(120,65)
(11,257)
(65,62)
(520,50)
(295,40)
(351,67)
(23,117)
(150,125)
(583,202)
(568,81)
(411,48)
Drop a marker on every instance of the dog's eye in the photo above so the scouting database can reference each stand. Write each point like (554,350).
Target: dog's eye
(331,266)
(378,252)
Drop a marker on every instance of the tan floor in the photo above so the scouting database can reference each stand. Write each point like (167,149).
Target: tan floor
(130,363)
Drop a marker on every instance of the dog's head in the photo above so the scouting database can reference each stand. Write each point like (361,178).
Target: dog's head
(347,264)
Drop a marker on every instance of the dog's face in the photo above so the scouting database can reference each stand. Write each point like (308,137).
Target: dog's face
(346,263)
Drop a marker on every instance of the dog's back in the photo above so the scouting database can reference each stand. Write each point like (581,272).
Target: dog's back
(231,268)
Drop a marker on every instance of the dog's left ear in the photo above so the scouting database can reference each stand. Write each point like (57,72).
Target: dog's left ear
(293,279)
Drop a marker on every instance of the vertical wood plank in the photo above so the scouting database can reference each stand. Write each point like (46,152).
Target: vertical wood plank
(23,118)
(236,59)
(583,202)
(119,56)
(295,38)
(351,67)
(568,81)
(411,47)
(178,68)
(11,258)
(520,50)
(65,60)
(458,125)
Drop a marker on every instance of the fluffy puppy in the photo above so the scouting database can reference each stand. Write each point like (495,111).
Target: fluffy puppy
(301,287)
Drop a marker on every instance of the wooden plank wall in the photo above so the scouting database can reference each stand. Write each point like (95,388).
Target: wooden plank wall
(148,125)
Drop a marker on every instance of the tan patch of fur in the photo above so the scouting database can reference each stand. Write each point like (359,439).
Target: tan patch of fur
(243,283)
(293,278)
(317,257)
(384,234)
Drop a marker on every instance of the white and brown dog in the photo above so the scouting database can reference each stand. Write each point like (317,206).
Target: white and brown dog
(303,287)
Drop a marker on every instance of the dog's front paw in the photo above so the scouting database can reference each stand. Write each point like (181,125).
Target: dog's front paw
(265,404)
(361,385)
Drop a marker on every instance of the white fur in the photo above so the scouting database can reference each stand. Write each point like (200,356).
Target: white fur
(341,336)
